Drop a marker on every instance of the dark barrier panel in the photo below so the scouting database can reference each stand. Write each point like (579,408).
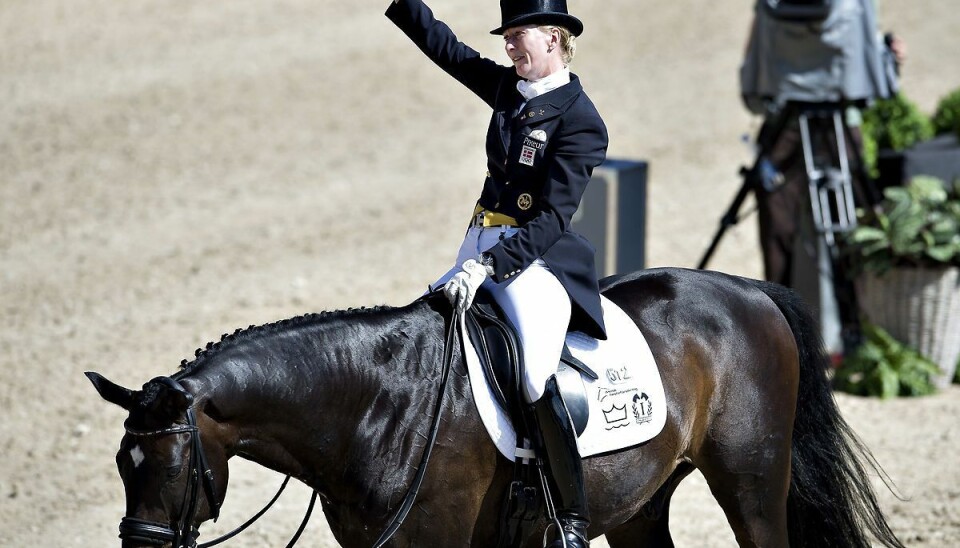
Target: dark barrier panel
(613,214)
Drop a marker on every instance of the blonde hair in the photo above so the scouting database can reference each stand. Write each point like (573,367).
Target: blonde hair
(568,42)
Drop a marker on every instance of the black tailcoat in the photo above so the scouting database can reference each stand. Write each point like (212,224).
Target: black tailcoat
(540,159)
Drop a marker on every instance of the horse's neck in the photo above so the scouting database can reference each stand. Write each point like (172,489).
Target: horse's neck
(333,405)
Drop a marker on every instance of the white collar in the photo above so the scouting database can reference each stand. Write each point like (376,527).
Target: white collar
(529,90)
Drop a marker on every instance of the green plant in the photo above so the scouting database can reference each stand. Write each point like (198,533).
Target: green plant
(917,225)
(946,118)
(895,123)
(884,367)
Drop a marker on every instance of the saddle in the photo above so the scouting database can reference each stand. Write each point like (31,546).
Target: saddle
(500,353)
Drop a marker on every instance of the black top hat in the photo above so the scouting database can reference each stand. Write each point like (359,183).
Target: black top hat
(516,13)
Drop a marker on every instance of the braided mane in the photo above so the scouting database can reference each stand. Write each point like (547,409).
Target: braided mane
(230,340)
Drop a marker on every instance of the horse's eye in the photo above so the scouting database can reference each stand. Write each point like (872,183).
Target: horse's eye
(173,471)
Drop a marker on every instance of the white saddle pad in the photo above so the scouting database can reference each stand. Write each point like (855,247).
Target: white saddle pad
(627,404)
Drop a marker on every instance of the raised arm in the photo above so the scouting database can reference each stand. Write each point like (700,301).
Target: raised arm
(482,76)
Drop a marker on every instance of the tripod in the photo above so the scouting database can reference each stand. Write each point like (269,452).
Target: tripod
(762,174)
(821,135)
(831,187)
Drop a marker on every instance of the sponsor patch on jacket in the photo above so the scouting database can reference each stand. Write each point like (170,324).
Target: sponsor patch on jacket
(537,140)
(533,143)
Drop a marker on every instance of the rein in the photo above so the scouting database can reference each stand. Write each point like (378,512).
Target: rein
(411,496)
(185,535)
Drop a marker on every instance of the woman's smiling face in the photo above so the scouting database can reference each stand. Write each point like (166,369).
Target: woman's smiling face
(534,53)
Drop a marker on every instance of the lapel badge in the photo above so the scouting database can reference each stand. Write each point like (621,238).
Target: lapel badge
(525,201)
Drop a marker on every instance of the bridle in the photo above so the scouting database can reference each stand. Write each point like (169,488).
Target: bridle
(185,535)
(201,478)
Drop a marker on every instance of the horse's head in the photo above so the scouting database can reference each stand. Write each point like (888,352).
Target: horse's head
(173,480)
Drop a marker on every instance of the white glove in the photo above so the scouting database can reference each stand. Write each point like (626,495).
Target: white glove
(462,287)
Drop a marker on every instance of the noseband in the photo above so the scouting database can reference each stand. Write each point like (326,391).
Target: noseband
(185,535)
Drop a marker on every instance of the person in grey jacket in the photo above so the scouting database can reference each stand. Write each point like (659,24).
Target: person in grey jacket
(797,60)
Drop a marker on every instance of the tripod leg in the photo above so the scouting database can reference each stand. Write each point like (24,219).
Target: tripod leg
(846,213)
(821,215)
(833,211)
(730,218)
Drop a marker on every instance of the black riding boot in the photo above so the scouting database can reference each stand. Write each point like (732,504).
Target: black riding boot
(563,467)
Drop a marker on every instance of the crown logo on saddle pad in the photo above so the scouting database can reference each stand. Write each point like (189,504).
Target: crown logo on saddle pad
(615,414)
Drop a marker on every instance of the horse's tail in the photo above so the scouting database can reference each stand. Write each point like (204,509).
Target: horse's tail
(831,502)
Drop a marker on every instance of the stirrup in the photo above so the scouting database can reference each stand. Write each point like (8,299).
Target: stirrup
(572,535)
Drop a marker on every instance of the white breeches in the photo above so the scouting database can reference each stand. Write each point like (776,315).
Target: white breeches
(535,303)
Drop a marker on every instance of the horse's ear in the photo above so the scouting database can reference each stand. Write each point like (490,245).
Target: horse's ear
(173,400)
(175,403)
(112,392)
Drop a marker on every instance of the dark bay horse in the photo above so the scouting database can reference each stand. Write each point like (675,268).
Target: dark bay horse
(342,401)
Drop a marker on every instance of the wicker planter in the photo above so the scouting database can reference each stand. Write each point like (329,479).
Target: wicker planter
(919,307)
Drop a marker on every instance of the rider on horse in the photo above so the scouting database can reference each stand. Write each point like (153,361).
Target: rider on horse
(544,139)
